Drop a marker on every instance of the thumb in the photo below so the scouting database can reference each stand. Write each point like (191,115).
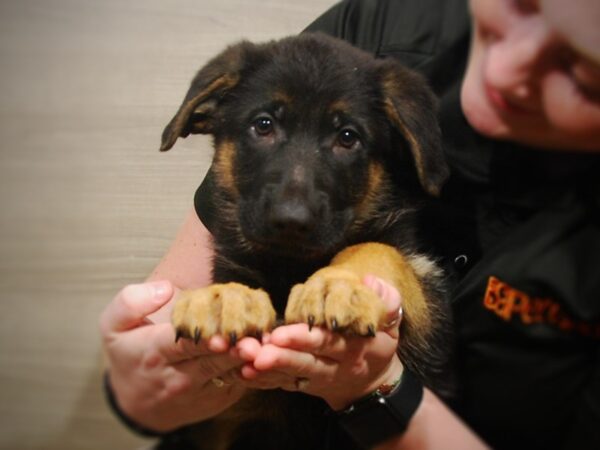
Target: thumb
(133,304)
(392,300)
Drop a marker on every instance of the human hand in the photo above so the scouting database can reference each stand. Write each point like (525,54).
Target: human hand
(158,383)
(340,369)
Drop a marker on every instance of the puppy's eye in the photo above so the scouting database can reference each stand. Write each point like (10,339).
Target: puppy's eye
(348,138)
(263,126)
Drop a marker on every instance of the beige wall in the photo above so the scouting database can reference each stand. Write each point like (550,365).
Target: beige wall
(87,203)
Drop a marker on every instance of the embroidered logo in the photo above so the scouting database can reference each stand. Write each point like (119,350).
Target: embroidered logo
(509,303)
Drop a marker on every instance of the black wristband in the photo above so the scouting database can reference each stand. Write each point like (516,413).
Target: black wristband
(378,417)
(124,418)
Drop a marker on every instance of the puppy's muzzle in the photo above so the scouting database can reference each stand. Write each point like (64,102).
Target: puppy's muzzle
(293,219)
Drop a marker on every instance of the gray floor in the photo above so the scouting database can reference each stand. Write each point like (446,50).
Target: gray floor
(87,202)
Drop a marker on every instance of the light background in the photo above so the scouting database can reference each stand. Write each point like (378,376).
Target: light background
(87,203)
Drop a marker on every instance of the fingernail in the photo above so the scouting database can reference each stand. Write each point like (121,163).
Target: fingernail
(161,289)
(378,286)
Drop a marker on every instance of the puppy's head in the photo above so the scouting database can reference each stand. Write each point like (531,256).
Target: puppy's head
(308,133)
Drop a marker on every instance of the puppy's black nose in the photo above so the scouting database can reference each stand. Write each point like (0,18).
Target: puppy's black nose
(292,219)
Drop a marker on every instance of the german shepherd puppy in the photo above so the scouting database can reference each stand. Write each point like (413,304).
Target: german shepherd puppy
(323,158)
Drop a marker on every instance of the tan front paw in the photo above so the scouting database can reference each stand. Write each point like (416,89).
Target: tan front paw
(338,300)
(232,310)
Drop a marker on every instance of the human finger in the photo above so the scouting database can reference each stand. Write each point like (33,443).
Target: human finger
(288,379)
(392,300)
(293,375)
(133,304)
(318,341)
(388,293)
(293,362)
(208,367)
(253,379)
(176,350)
(325,343)
(248,348)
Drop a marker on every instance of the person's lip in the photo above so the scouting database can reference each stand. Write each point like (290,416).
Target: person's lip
(505,105)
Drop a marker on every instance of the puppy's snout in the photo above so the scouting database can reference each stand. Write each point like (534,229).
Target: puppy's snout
(294,207)
(292,218)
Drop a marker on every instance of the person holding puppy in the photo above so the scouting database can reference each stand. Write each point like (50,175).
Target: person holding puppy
(519,88)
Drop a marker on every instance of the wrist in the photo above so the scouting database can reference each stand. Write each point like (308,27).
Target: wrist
(380,416)
(131,423)
(386,380)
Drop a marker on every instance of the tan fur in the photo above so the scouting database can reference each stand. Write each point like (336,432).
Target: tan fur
(223,167)
(283,97)
(337,291)
(334,297)
(226,309)
(339,106)
(388,263)
(373,192)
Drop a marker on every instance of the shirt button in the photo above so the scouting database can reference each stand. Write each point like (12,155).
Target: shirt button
(461,261)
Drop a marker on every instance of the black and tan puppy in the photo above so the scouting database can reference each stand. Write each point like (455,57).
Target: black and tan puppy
(323,158)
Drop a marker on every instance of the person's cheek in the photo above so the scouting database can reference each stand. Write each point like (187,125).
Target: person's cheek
(490,16)
(569,109)
(473,97)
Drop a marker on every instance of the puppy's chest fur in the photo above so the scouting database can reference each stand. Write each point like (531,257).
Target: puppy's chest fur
(261,270)
(271,420)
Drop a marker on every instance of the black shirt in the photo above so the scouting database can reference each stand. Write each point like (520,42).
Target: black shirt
(520,229)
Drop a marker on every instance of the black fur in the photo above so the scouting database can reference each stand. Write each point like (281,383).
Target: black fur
(318,146)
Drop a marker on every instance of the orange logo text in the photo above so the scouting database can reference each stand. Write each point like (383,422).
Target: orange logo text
(509,303)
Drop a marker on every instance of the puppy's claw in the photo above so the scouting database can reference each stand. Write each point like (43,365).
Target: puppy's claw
(334,324)
(232,338)
(178,335)
(311,322)
(371,331)
(197,335)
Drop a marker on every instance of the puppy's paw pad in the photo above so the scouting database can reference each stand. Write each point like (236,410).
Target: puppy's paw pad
(232,310)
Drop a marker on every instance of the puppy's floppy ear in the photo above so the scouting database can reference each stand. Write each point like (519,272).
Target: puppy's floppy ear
(411,108)
(213,81)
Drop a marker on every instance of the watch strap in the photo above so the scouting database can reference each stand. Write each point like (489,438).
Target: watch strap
(378,417)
